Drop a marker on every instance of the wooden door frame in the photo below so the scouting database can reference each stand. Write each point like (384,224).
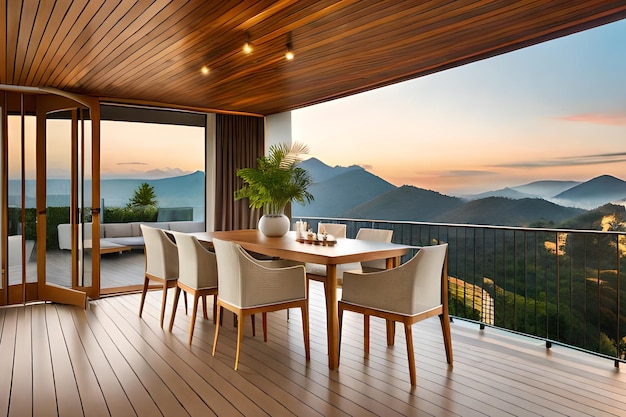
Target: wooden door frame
(51,292)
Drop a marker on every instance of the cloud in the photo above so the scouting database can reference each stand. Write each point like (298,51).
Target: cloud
(163,173)
(465,173)
(420,177)
(594,159)
(597,118)
(367,167)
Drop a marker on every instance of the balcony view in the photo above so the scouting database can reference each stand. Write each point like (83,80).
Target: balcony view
(453,216)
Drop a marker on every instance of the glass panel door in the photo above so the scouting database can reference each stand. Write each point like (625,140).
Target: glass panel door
(64,204)
(22,236)
(68,199)
(58,207)
(19,236)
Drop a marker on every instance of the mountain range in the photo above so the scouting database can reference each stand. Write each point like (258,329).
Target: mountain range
(353,192)
(182,191)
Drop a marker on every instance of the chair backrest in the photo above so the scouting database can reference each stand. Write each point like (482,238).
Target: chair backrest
(429,272)
(228,271)
(338,230)
(245,282)
(161,253)
(417,285)
(378,235)
(197,266)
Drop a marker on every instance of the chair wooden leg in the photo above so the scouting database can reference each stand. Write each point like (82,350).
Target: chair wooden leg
(264,320)
(214,309)
(239,339)
(163,302)
(253,325)
(305,330)
(144,291)
(176,297)
(391,332)
(217,328)
(447,337)
(410,352)
(185,296)
(204,309)
(366,333)
(192,323)
(340,314)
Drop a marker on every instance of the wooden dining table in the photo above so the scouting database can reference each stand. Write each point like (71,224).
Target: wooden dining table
(343,252)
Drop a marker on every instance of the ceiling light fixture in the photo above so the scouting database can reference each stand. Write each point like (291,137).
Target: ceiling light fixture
(247,46)
(205,70)
(289,54)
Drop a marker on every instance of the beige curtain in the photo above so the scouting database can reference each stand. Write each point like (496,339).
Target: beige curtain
(240,140)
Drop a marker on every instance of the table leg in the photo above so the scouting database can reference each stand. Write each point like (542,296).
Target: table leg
(332,316)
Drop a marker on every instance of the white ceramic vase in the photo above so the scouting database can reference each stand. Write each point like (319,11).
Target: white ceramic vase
(274,226)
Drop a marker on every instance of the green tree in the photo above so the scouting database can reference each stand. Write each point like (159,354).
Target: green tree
(143,197)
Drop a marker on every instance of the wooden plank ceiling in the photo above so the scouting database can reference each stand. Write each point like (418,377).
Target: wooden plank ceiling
(151,51)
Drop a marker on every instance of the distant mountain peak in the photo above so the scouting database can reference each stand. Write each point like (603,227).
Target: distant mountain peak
(320,172)
(505,192)
(595,192)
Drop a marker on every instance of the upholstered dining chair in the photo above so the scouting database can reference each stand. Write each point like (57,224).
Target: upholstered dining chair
(161,264)
(337,230)
(197,276)
(246,287)
(378,235)
(411,292)
(318,272)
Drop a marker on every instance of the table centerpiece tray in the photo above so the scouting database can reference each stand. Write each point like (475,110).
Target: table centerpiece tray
(321,242)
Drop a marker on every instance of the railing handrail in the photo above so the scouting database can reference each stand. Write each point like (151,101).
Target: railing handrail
(468,225)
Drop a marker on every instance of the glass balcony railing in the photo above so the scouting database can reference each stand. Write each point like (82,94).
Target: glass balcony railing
(561,286)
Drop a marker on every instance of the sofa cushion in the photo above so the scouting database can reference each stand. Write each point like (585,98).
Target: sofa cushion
(64,231)
(117,230)
(137,227)
(187,227)
(132,241)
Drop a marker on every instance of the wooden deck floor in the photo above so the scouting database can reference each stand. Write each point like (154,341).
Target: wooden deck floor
(105,361)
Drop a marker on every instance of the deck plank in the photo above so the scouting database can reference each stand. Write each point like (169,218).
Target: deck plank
(146,371)
(91,395)
(8,320)
(117,402)
(170,369)
(245,396)
(143,404)
(43,372)
(66,384)
(21,400)
(106,361)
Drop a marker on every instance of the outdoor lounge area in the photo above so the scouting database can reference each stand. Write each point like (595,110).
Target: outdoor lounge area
(107,361)
(118,237)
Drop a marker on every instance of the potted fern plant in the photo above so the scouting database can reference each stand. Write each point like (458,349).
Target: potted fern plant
(276,181)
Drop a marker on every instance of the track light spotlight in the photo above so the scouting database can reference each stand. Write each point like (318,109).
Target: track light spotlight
(247,45)
(289,54)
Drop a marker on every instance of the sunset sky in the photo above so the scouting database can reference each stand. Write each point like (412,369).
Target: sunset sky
(554,111)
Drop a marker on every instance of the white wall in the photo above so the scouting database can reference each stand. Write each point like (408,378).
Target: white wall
(277,129)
